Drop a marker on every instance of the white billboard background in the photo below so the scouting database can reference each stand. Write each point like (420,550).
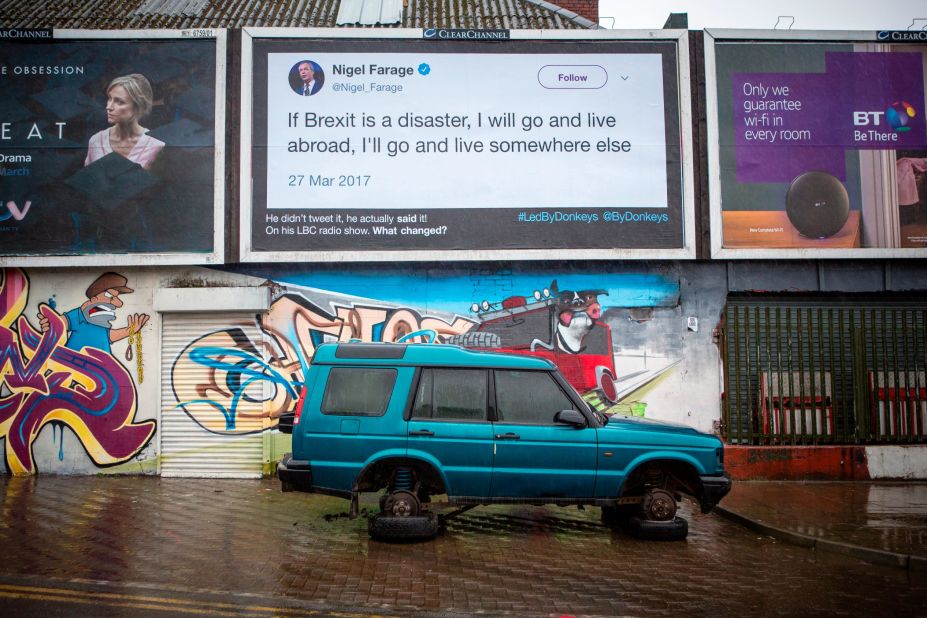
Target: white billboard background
(625,112)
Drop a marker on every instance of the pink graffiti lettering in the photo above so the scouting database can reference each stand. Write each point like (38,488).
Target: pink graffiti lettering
(87,390)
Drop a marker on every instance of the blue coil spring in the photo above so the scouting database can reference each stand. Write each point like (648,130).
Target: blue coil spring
(403,479)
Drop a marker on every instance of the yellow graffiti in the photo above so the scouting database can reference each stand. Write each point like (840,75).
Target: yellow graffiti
(46,382)
(231,384)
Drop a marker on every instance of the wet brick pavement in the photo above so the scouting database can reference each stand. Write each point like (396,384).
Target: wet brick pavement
(885,516)
(248,537)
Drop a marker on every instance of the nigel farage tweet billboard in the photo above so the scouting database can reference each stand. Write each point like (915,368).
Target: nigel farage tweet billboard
(367,149)
(111,145)
(818,145)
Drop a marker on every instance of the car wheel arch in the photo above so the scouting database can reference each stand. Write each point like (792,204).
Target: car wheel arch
(683,471)
(376,474)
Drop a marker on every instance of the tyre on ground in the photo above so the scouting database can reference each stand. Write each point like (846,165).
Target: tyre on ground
(675,530)
(415,528)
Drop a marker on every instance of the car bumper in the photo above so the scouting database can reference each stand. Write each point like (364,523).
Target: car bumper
(713,489)
(294,474)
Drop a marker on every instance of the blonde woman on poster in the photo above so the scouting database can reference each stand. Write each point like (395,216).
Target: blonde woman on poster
(128,101)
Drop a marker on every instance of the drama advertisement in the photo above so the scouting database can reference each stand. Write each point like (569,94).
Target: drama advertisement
(107,146)
(822,146)
(442,146)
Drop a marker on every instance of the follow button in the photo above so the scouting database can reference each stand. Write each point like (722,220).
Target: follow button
(569,76)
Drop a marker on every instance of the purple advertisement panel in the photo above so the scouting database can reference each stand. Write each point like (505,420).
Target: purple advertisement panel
(782,127)
(822,145)
(789,123)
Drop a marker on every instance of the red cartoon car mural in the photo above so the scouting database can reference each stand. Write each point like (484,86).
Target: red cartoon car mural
(561,326)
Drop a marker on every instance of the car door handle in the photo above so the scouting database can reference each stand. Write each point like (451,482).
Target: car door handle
(422,432)
(508,436)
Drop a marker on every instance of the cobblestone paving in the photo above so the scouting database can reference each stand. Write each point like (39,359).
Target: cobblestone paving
(247,536)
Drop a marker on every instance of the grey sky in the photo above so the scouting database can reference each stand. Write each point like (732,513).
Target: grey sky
(808,14)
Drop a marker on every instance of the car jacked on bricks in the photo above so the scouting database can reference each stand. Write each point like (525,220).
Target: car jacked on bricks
(419,421)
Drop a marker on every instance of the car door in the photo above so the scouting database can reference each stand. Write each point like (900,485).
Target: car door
(534,456)
(449,425)
(357,414)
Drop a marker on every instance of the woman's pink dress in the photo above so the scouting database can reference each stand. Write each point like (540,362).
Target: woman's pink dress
(144,153)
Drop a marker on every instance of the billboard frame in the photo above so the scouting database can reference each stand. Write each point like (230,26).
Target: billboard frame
(217,255)
(713,134)
(683,76)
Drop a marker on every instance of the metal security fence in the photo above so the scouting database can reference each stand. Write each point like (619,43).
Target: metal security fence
(824,371)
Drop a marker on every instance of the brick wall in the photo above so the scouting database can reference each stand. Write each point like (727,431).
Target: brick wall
(587,8)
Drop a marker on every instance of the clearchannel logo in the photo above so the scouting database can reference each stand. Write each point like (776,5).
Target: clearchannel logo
(460,34)
(905,36)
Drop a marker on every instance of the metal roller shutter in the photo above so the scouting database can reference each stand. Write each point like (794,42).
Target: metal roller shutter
(206,430)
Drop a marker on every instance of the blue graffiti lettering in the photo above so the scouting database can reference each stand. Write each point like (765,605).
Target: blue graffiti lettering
(243,370)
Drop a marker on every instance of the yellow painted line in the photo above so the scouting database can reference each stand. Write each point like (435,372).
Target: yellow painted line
(158,602)
(112,603)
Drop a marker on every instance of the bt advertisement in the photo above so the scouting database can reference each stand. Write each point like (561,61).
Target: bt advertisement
(821,146)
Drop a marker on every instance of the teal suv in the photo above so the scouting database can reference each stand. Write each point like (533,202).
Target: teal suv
(420,422)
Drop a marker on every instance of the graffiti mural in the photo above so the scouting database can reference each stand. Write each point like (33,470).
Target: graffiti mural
(63,373)
(562,326)
(563,321)
(225,369)
(229,368)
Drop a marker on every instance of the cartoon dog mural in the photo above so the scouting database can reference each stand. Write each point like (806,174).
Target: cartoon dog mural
(577,313)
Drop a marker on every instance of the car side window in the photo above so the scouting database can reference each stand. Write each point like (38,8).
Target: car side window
(451,395)
(358,391)
(531,397)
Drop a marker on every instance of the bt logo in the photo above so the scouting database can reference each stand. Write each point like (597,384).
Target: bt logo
(898,115)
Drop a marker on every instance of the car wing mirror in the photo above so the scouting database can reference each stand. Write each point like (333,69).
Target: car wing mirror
(570,417)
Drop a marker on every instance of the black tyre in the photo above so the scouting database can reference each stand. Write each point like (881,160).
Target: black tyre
(476,340)
(675,530)
(418,528)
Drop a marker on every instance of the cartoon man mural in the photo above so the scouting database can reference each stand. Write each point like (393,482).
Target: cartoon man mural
(90,324)
(66,376)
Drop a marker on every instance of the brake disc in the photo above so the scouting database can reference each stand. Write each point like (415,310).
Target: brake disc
(401,504)
(659,505)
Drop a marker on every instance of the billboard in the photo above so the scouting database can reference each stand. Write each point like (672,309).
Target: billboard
(111,144)
(817,145)
(372,148)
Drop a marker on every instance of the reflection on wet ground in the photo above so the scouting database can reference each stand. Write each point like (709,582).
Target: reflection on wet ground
(886,516)
(248,538)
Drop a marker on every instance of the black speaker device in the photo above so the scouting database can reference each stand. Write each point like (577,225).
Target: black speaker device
(817,204)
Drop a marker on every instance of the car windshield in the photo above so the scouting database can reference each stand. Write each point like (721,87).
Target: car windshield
(601,418)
